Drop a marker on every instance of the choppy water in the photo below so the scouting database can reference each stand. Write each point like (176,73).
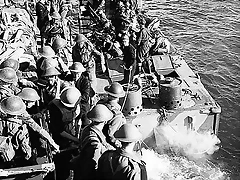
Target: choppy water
(207,35)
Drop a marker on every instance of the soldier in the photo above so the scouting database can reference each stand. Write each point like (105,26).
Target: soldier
(161,44)
(49,59)
(64,126)
(93,143)
(42,17)
(124,163)
(14,122)
(51,86)
(82,83)
(143,44)
(54,28)
(83,51)
(129,59)
(31,99)
(62,50)
(8,81)
(24,78)
(114,91)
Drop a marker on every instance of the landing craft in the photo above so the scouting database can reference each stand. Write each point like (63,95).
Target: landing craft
(169,104)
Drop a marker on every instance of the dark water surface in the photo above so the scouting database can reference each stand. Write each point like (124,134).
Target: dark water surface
(207,35)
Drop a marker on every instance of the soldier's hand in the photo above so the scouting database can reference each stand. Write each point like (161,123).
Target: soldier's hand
(27,83)
(38,115)
(56,149)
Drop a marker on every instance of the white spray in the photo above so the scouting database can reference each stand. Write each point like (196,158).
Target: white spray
(187,158)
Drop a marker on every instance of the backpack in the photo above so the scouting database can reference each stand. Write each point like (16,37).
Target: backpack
(6,149)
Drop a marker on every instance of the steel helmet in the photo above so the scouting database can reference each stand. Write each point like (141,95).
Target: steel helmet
(59,43)
(56,15)
(51,71)
(69,96)
(29,94)
(100,113)
(49,62)
(77,67)
(115,90)
(8,75)
(128,133)
(13,105)
(47,51)
(12,63)
(80,38)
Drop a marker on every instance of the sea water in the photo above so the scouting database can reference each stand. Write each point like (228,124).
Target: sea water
(207,35)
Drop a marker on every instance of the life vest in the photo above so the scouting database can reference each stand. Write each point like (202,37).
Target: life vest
(13,136)
(68,116)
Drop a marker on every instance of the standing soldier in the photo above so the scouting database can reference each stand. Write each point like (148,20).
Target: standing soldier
(15,122)
(64,127)
(54,28)
(52,86)
(83,51)
(129,59)
(143,44)
(42,17)
(8,81)
(82,83)
(124,163)
(93,143)
(62,50)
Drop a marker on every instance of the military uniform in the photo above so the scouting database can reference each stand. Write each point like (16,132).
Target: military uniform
(93,145)
(86,55)
(120,165)
(14,128)
(124,163)
(42,16)
(113,124)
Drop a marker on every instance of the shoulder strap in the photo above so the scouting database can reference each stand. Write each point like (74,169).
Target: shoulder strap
(119,167)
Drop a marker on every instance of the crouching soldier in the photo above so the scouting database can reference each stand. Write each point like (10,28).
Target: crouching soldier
(124,163)
(13,125)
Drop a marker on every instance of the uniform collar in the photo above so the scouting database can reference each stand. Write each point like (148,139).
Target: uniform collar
(134,156)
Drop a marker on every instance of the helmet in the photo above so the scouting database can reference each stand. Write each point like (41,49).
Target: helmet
(49,62)
(51,71)
(56,15)
(128,133)
(47,51)
(8,75)
(29,94)
(13,105)
(59,43)
(77,67)
(80,38)
(100,113)
(69,96)
(12,63)
(115,90)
